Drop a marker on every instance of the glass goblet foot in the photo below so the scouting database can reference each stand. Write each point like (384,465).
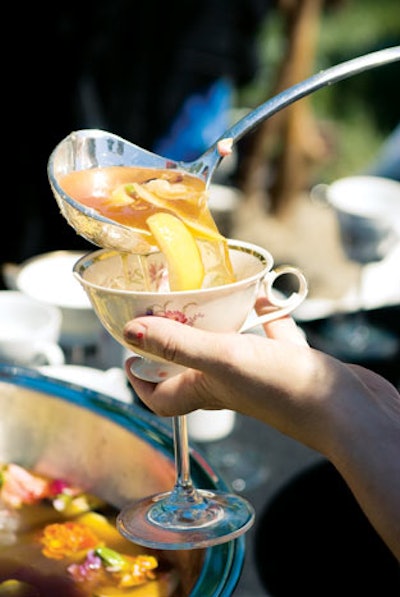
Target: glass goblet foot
(185,518)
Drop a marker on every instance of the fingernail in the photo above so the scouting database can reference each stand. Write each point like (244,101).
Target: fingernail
(134,333)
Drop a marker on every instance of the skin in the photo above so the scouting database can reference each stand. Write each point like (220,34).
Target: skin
(348,413)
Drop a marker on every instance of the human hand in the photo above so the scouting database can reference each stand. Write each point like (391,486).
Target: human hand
(271,378)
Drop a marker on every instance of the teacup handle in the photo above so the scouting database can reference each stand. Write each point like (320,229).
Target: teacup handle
(282,306)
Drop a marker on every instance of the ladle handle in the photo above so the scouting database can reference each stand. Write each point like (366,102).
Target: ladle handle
(207,163)
(330,75)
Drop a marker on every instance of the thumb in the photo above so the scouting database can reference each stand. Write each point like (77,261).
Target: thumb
(172,341)
(282,328)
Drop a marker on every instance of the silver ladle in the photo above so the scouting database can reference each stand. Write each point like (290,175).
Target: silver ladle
(89,148)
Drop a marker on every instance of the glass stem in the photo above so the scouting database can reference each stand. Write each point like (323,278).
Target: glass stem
(181,443)
(184,493)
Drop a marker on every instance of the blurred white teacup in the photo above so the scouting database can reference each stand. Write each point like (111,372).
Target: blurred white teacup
(210,425)
(368,212)
(117,285)
(48,278)
(29,331)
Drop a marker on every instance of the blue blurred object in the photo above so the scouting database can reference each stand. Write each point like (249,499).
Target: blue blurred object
(203,118)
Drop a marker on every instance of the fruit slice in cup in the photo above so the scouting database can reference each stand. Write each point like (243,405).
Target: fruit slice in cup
(184,261)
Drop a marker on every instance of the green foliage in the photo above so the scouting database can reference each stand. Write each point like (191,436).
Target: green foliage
(360,111)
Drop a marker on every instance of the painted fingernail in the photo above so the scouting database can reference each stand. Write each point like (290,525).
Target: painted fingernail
(134,333)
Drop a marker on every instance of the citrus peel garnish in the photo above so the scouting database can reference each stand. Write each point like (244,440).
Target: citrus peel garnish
(207,232)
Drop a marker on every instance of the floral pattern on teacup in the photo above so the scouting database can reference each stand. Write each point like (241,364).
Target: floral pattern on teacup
(175,314)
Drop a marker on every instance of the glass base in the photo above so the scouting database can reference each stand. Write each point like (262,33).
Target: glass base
(161,522)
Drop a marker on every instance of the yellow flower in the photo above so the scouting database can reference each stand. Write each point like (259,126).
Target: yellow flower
(63,540)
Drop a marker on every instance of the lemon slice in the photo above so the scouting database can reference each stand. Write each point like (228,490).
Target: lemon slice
(18,588)
(185,266)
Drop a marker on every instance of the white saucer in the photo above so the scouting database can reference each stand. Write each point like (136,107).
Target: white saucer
(112,382)
(380,288)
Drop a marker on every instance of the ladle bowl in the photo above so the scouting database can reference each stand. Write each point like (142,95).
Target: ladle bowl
(93,148)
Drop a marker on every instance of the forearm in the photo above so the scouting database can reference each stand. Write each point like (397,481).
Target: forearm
(351,416)
(376,487)
(365,449)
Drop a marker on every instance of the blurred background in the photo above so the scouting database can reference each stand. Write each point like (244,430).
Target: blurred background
(171,80)
(360,112)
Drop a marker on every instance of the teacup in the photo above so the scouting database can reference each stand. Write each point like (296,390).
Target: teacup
(118,287)
(48,278)
(368,212)
(29,331)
